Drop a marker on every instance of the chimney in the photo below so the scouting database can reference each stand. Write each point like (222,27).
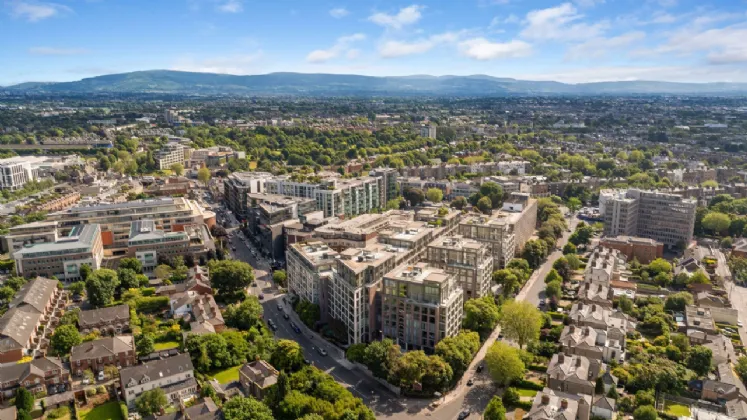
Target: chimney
(599,289)
(572,329)
(564,404)
(587,330)
(561,358)
(578,362)
(580,305)
(545,399)
(594,308)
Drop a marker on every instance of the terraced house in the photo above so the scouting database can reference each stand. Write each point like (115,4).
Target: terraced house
(116,351)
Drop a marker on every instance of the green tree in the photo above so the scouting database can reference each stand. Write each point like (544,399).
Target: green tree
(163,271)
(569,248)
(246,408)
(458,351)
(699,277)
(287,356)
(459,203)
(380,355)
(132,263)
(573,204)
(203,175)
(659,265)
(553,290)
(434,195)
(717,223)
(24,400)
(85,271)
(494,192)
(563,267)
(414,196)
(504,363)
(485,205)
(534,252)
(521,322)
(553,276)
(177,169)
(230,276)
(646,412)
(280,278)
(100,287)
(77,288)
(144,345)
(511,397)
(244,315)
(495,410)
(127,279)
(65,337)
(699,360)
(6,293)
(151,402)
(481,315)
(678,301)
(741,368)
(508,279)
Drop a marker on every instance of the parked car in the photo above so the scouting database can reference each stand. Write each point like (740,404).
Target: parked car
(285,316)
(77,298)
(464,414)
(280,307)
(322,352)
(101,375)
(479,368)
(260,297)
(470,382)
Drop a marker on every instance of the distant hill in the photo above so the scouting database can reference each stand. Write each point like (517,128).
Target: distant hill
(179,82)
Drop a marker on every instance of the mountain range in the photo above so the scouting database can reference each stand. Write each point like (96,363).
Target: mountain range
(179,82)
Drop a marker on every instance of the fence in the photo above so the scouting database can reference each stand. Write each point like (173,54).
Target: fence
(395,389)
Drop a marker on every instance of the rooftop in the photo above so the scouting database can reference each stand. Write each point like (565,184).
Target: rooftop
(419,273)
(80,239)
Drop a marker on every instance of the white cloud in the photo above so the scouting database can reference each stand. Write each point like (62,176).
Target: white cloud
(406,16)
(230,64)
(35,11)
(56,51)
(353,53)
(342,46)
(394,48)
(560,23)
(498,20)
(599,47)
(339,12)
(231,6)
(717,45)
(681,73)
(483,49)
(588,3)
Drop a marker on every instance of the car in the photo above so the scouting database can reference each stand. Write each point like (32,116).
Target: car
(280,307)
(233,248)
(272,325)
(295,328)
(542,302)
(86,381)
(322,352)
(77,298)
(463,415)
(740,324)
(261,296)
(470,382)
(101,375)
(285,316)
(479,368)
(307,361)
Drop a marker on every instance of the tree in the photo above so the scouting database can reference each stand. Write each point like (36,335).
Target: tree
(287,356)
(151,402)
(280,278)
(699,277)
(521,322)
(495,410)
(507,279)
(494,192)
(485,205)
(563,268)
(132,263)
(552,290)
(699,360)
(100,286)
(645,412)
(511,397)
(659,265)
(678,301)
(481,315)
(163,271)
(380,355)
(203,175)
(569,248)
(230,276)
(144,345)
(77,288)
(582,235)
(65,337)
(24,415)
(128,279)
(246,408)
(534,252)
(459,203)
(553,276)
(177,169)
(573,262)
(415,196)
(573,204)
(503,363)
(434,195)
(741,368)
(244,315)
(7,293)
(717,223)
(24,400)
(85,271)
(415,367)
(457,351)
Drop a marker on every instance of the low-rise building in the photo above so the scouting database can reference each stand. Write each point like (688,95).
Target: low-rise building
(116,351)
(171,154)
(36,376)
(111,320)
(615,322)
(644,250)
(550,404)
(594,344)
(174,375)
(29,234)
(257,377)
(198,309)
(573,374)
(63,257)
(699,319)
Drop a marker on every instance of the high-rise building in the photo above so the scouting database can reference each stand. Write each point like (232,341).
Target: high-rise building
(15,172)
(428,131)
(170,154)
(497,233)
(420,306)
(667,218)
(309,268)
(236,187)
(468,260)
(387,183)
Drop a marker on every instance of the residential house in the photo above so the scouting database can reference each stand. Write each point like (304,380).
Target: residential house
(603,407)
(111,320)
(573,374)
(718,392)
(550,404)
(256,377)
(197,309)
(174,375)
(595,294)
(203,410)
(36,376)
(697,318)
(116,351)
(592,343)
(614,321)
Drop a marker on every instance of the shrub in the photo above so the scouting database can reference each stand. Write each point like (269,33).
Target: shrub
(101,389)
(524,384)
(91,392)
(123,408)
(59,413)
(152,304)
(511,397)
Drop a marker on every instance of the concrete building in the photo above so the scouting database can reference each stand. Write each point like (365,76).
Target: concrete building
(497,233)
(387,183)
(212,157)
(666,218)
(468,260)
(267,216)
(360,231)
(15,172)
(174,375)
(643,249)
(428,131)
(237,185)
(29,234)
(64,257)
(171,153)
(420,306)
(310,267)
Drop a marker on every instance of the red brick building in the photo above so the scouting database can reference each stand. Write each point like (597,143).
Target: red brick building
(35,376)
(643,249)
(116,351)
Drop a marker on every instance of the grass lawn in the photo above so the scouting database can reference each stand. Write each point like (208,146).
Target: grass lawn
(527,392)
(165,345)
(109,411)
(226,375)
(678,410)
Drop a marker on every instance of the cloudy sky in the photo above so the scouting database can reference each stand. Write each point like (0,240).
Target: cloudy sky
(573,41)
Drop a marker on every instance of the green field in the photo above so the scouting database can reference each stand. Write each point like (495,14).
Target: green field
(165,345)
(678,410)
(226,375)
(108,411)
(527,392)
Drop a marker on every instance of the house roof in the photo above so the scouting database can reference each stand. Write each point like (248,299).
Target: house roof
(18,372)
(9,413)
(572,368)
(16,327)
(36,294)
(105,315)
(156,369)
(204,410)
(261,373)
(548,405)
(605,403)
(103,347)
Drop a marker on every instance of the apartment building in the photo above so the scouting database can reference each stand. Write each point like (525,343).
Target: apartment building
(268,215)
(413,237)
(171,214)
(116,351)
(358,232)
(428,131)
(354,300)
(170,154)
(63,257)
(667,218)
(644,250)
(174,375)
(497,233)
(334,196)
(238,185)
(212,157)
(15,172)
(309,268)
(469,261)
(420,306)
(37,375)
(388,188)
(521,211)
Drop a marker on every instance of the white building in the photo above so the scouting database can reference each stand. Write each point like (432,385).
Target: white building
(15,172)
(174,375)
(309,267)
(336,197)
(170,154)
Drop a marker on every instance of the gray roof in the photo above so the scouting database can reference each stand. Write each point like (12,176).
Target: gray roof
(605,403)
(205,410)
(80,240)
(16,327)
(36,293)
(130,204)
(156,369)
(17,372)
(103,347)
(107,315)
(547,405)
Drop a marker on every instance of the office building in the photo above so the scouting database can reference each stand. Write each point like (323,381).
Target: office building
(63,257)
(174,375)
(15,172)
(213,157)
(309,267)
(420,306)
(428,131)
(237,185)
(146,243)
(358,232)
(468,260)
(666,218)
(29,234)
(170,154)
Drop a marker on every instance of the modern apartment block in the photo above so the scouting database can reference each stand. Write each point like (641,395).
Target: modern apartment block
(497,233)
(238,185)
(420,306)
(15,172)
(354,299)
(412,237)
(428,131)
(63,257)
(387,183)
(170,154)
(468,260)
(666,218)
(309,268)
(360,231)
(268,215)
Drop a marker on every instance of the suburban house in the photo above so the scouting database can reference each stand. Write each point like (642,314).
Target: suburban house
(595,316)
(592,343)
(174,375)
(573,374)
(116,351)
(35,376)
(256,377)
(197,309)
(554,405)
(111,320)
(603,407)
(595,294)
(204,410)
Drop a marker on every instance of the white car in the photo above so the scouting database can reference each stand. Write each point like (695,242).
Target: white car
(740,324)
(101,375)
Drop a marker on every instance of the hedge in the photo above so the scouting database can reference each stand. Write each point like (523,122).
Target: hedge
(537,368)
(123,407)
(524,384)
(557,316)
(524,405)
(148,291)
(151,304)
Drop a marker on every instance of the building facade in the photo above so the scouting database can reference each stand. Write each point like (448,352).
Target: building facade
(174,375)
(116,351)
(64,257)
(468,260)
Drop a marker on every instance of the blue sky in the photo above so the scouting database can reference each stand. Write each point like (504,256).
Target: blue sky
(570,41)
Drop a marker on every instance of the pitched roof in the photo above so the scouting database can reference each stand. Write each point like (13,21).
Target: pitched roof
(156,369)
(548,405)
(260,372)
(18,372)
(9,413)
(205,410)
(572,368)
(16,327)
(605,403)
(103,347)
(36,294)
(106,315)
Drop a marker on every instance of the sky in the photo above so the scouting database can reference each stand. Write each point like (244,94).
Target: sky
(570,41)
